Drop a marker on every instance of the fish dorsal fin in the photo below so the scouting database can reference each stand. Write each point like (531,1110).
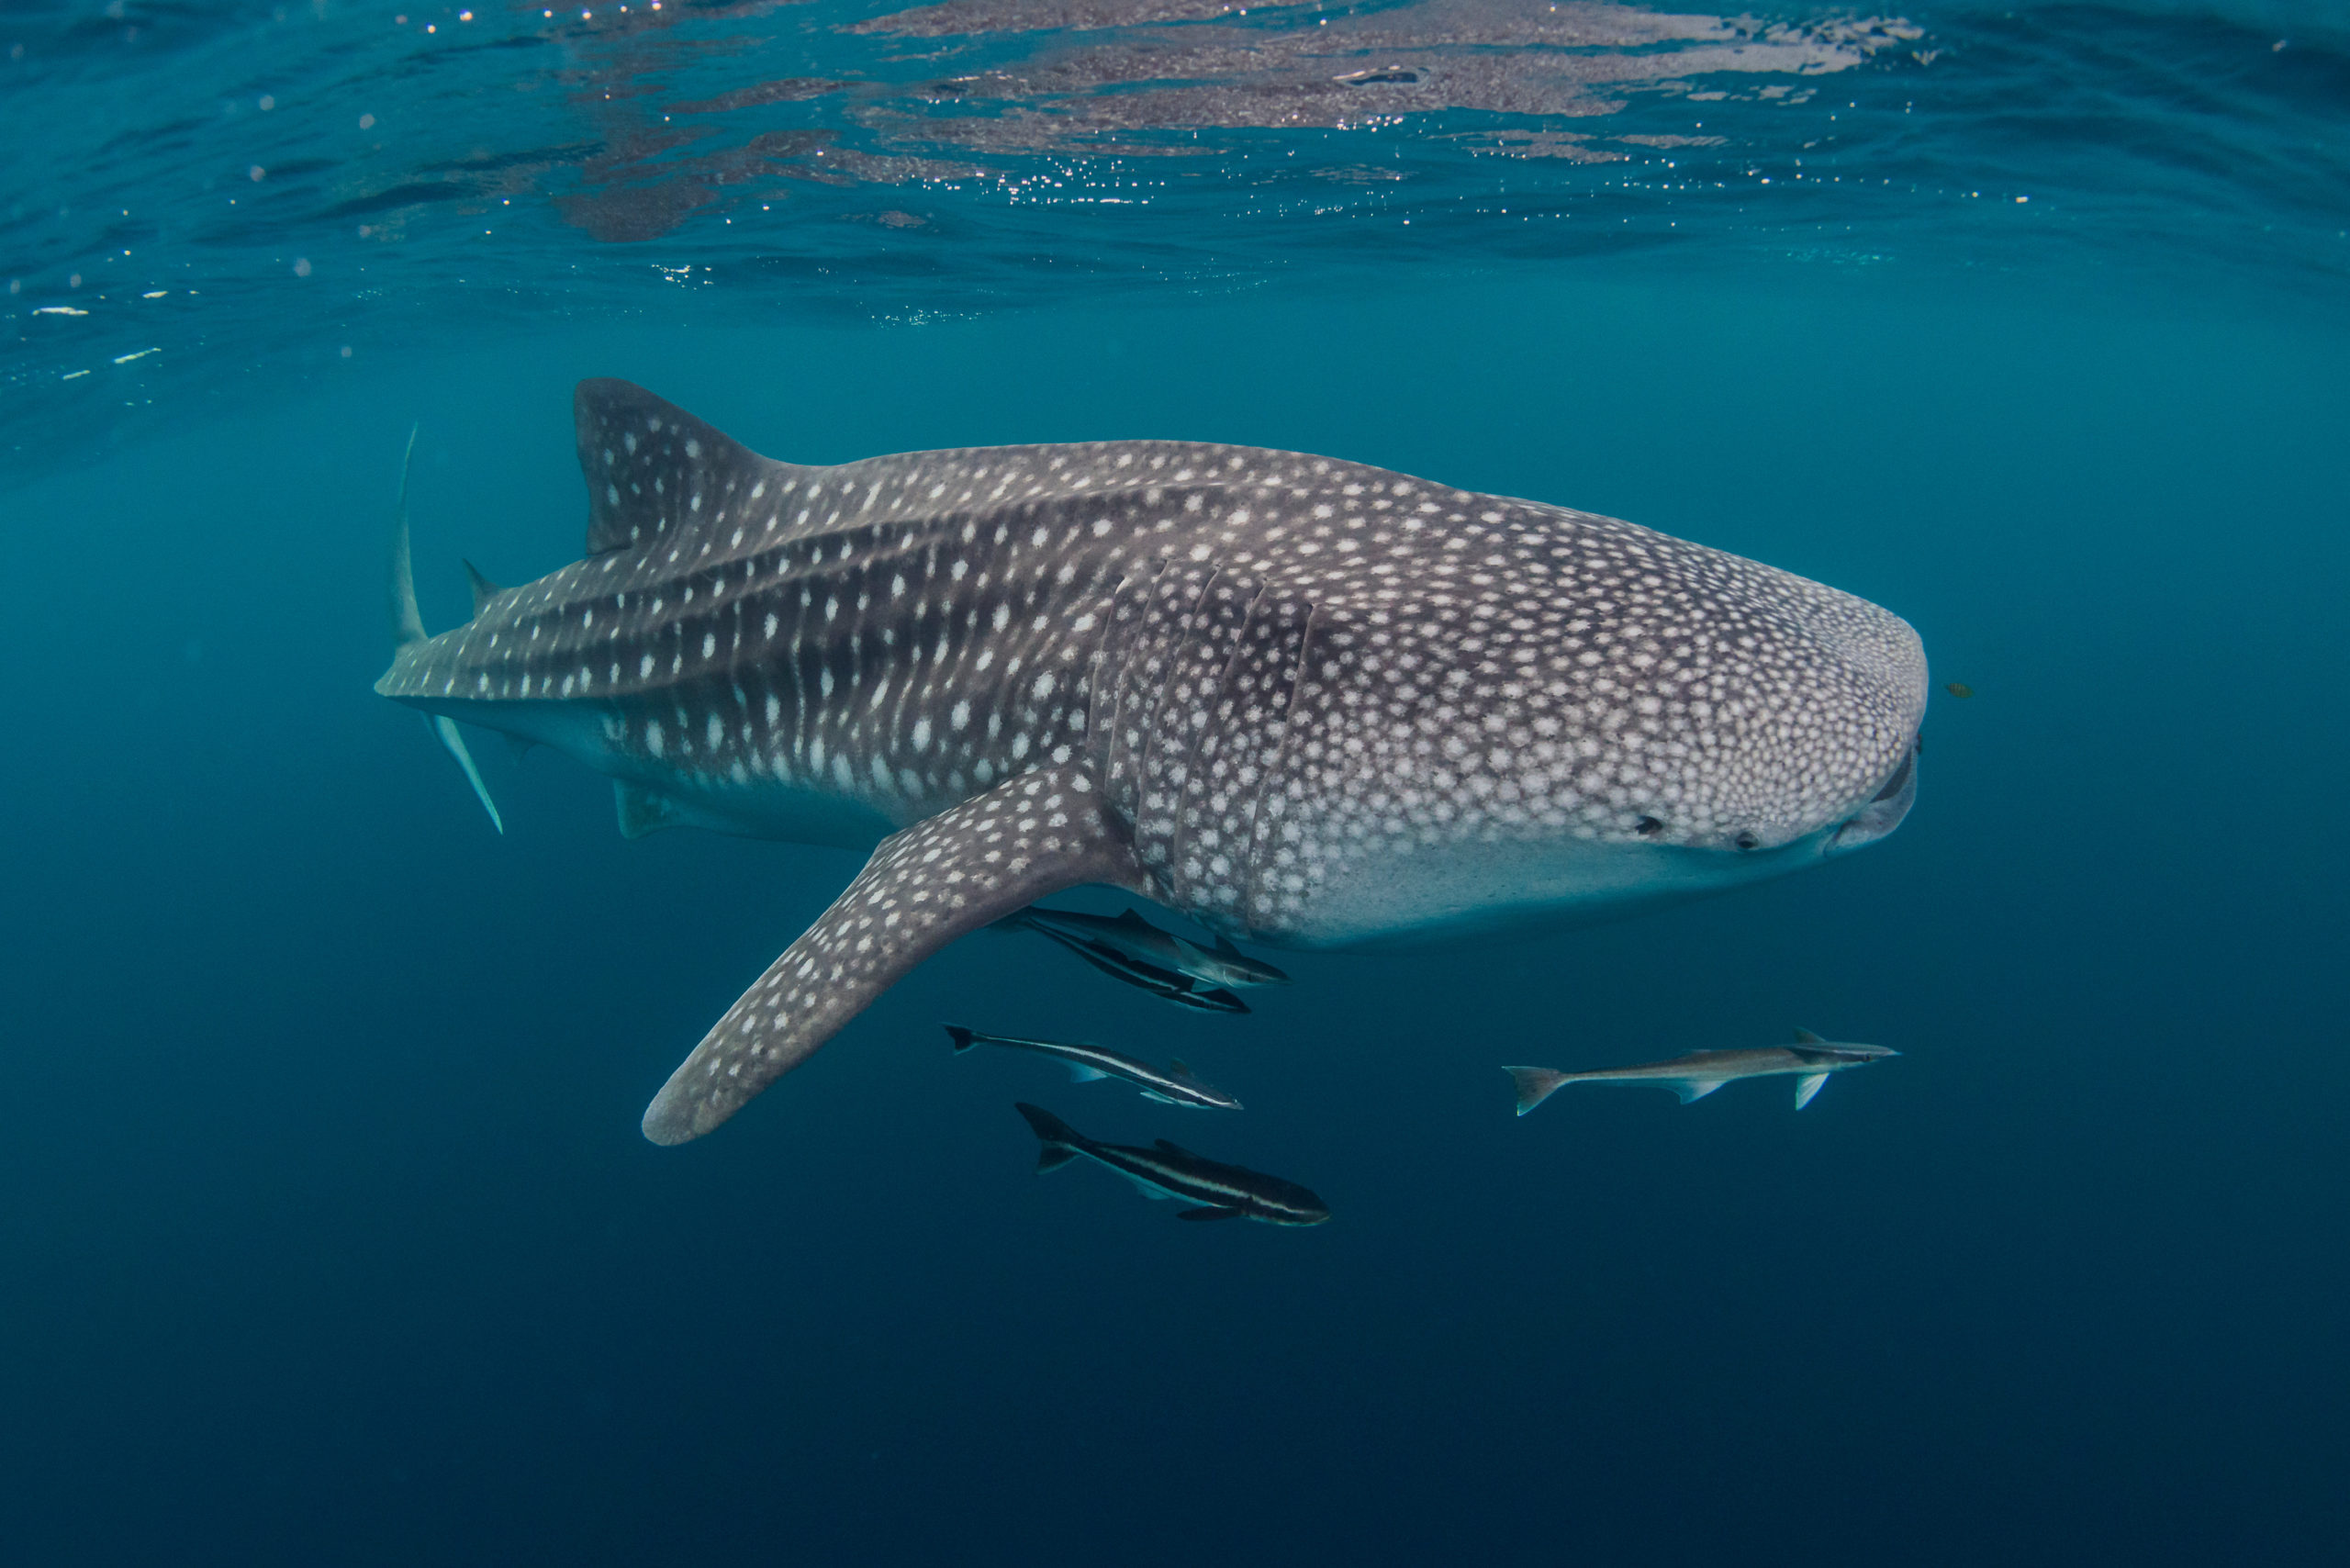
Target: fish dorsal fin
(1133,918)
(1805,1038)
(1177,1149)
(1224,948)
(484,589)
(1181,1068)
(654,469)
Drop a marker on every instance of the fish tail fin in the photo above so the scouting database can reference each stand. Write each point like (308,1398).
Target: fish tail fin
(962,1037)
(1058,1142)
(1536,1084)
(408,628)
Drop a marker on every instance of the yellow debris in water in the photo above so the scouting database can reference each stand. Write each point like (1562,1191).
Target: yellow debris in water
(1958,689)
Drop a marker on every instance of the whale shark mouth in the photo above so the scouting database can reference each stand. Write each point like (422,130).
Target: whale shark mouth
(1885,808)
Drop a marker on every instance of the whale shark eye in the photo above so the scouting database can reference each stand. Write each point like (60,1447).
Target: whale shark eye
(1746,841)
(1648,827)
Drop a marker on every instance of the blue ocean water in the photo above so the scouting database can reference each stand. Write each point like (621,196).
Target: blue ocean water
(331,1236)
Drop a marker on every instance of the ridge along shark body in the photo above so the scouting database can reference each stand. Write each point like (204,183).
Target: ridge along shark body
(1302,702)
(1692,1077)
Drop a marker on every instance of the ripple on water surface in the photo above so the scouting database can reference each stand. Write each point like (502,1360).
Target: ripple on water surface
(278,188)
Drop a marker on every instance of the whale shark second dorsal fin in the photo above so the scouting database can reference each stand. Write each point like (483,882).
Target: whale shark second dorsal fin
(484,589)
(652,468)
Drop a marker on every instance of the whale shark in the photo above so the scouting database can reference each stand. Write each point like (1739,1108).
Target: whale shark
(1302,702)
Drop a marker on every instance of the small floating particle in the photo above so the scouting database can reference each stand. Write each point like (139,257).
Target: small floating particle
(74,376)
(155,294)
(126,358)
(57,310)
(1958,688)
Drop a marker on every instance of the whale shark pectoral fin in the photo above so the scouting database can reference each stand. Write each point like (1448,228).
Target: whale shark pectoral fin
(641,810)
(1693,1088)
(446,728)
(1807,1086)
(1026,839)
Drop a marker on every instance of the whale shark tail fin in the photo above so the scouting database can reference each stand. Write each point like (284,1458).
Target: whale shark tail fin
(1535,1084)
(408,628)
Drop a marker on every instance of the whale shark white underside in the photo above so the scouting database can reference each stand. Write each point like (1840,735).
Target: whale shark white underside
(1302,701)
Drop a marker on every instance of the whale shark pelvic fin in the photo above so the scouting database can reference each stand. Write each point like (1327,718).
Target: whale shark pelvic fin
(408,626)
(1027,838)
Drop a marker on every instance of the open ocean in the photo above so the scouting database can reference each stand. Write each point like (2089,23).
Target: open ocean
(327,1232)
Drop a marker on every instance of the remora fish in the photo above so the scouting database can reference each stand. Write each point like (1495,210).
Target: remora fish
(1692,1077)
(1132,949)
(1169,1171)
(1302,701)
(1175,1086)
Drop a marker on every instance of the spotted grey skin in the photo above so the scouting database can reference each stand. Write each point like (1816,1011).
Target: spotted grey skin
(1304,702)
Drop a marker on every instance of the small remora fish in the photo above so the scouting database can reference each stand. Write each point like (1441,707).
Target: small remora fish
(1131,948)
(1174,1086)
(1692,1077)
(1171,1170)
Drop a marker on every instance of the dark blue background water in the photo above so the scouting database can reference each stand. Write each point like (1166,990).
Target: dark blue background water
(329,1236)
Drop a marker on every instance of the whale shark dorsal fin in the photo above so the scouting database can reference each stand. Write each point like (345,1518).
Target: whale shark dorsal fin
(1805,1038)
(641,810)
(651,468)
(484,589)
(1807,1086)
(927,884)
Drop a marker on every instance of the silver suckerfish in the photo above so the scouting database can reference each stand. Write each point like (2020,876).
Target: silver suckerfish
(1173,1085)
(1692,1077)
(1169,1171)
